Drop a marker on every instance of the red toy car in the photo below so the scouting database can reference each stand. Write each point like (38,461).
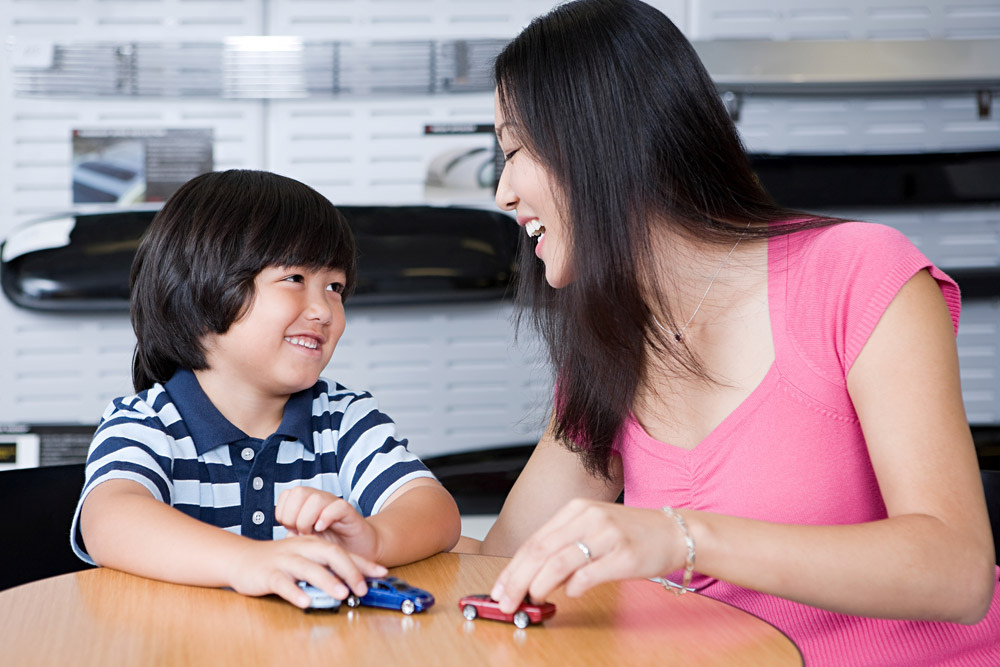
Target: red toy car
(487,607)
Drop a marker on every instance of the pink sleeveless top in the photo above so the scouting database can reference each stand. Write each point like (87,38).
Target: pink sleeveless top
(793,452)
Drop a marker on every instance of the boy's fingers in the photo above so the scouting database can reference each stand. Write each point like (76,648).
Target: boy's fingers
(279,506)
(289,590)
(368,567)
(343,565)
(309,512)
(289,504)
(336,511)
(324,578)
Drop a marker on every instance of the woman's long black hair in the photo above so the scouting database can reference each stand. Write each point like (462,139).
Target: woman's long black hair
(613,100)
(195,268)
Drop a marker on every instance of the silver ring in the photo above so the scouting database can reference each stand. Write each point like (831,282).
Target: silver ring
(583,547)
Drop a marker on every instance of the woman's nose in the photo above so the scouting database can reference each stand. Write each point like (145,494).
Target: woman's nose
(505,197)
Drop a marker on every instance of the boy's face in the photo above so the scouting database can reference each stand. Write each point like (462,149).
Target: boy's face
(288,334)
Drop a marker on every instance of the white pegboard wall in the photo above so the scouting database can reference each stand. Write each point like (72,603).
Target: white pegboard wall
(448,374)
(419,19)
(844,19)
(127,20)
(359,152)
(40,154)
(871,124)
(979,360)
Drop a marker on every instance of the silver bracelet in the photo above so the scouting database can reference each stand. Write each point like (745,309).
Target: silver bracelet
(685,585)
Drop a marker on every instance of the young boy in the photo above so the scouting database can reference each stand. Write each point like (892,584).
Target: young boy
(235,464)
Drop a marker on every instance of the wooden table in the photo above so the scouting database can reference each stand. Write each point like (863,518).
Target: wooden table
(104,617)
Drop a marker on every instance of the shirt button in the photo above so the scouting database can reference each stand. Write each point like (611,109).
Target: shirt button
(258,484)
(258,517)
(247,453)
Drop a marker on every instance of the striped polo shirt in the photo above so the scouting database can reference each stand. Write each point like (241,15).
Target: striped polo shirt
(172,440)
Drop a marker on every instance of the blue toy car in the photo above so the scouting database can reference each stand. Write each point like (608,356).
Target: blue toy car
(319,599)
(392,593)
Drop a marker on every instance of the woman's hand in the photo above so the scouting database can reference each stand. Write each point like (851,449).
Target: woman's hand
(623,543)
(307,511)
(267,567)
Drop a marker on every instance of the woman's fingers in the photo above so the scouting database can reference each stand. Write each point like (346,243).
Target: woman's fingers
(588,544)
(548,558)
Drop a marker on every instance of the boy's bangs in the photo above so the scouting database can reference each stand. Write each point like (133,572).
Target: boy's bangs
(324,244)
(302,230)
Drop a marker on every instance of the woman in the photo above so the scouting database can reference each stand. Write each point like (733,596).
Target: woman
(784,386)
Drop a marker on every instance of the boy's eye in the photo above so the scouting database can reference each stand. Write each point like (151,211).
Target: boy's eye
(295,278)
(336,287)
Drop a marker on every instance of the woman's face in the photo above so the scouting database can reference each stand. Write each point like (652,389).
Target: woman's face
(526,187)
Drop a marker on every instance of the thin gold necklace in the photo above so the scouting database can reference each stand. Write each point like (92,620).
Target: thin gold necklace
(679,335)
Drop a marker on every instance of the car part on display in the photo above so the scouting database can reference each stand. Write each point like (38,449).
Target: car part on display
(81,261)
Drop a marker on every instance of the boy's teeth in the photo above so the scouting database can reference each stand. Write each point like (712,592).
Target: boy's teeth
(304,342)
(534,228)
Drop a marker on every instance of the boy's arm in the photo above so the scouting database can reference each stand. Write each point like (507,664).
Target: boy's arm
(126,528)
(424,522)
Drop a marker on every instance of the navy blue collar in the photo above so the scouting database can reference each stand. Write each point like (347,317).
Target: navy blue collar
(209,429)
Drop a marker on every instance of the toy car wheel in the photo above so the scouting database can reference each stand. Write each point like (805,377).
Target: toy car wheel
(407,607)
(469,612)
(521,619)
(353,601)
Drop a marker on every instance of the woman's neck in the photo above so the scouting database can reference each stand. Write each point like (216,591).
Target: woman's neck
(700,281)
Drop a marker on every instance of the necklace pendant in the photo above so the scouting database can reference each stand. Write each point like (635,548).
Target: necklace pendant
(677,337)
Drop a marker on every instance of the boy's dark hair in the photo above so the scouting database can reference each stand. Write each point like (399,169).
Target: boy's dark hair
(194,271)
(611,98)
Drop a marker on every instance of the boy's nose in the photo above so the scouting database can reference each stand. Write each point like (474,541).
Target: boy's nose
(319,310)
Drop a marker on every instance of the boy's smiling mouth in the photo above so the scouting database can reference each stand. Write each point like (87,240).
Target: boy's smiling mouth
(303,341)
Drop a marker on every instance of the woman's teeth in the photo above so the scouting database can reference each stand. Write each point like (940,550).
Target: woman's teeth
(534,228)
(304,342)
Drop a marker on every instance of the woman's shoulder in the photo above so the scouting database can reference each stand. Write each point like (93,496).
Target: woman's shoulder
(849,237)
(845,250)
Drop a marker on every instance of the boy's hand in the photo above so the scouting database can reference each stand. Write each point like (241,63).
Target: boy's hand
(307,511)
(276,567)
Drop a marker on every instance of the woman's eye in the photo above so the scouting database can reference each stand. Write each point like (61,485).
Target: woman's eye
(508,156)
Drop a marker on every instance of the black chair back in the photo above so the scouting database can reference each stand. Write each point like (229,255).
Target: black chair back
(39,505)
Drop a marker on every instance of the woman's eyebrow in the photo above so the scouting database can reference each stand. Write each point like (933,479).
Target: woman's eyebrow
(499,130)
